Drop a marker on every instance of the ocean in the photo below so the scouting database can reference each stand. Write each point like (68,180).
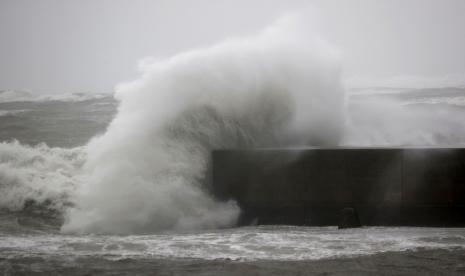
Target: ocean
(44,162)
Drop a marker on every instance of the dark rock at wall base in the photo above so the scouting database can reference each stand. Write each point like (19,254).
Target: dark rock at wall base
(349,218)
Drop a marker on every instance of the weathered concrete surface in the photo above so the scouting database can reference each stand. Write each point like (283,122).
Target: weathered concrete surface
(387,186)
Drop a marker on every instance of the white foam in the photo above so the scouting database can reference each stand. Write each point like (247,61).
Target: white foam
(12,112)
(249,243)
(450,101)
(38,173)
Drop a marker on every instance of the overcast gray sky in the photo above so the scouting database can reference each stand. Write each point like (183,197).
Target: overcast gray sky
(53,46)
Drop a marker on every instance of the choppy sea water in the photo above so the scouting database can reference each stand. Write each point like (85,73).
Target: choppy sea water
(258,250)
(59,121)
(253,243)
(31,242)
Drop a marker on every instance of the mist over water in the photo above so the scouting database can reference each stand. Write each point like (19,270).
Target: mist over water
(417,117)
(147,172)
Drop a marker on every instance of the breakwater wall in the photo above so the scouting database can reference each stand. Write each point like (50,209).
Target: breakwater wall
(387,186)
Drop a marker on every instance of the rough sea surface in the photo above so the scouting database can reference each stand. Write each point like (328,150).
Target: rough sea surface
(31,242)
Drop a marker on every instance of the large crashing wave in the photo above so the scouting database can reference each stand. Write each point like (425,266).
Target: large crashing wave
(148,171)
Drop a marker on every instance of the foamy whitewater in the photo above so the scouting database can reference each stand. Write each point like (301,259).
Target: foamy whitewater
(136,162)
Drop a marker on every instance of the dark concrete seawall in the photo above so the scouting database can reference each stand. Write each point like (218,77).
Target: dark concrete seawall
(387,186)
